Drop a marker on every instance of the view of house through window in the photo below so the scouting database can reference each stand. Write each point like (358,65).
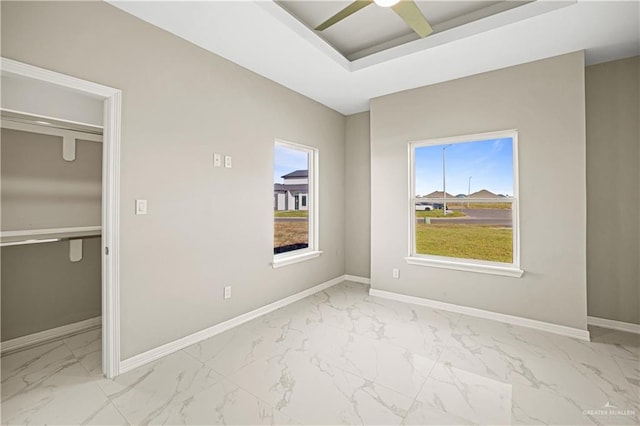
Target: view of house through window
(465,198)
(290,194)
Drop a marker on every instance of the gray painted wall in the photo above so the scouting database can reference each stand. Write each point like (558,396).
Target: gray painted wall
(358,196)
(544,100)
(180,105)
(613,190)
(41,289)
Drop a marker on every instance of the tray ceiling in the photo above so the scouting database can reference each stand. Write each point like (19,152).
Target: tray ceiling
(376,28)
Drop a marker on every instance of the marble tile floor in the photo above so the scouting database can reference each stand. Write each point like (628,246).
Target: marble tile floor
(339,357)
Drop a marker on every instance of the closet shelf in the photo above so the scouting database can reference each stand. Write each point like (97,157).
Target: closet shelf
(34,236)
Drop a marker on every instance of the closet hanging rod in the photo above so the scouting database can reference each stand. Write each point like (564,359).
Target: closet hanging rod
(46,121)
(49,234)
(46,240)
(25,126)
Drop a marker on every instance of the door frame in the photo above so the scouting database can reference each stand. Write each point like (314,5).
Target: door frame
(110,198)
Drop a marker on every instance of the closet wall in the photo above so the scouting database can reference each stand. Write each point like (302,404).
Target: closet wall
(41,288)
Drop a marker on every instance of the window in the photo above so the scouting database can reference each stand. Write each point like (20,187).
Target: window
(464,203)
(295,222)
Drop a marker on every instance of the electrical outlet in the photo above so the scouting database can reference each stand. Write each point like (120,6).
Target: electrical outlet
(227,292)
(227,161)
(217,160)
(396,273)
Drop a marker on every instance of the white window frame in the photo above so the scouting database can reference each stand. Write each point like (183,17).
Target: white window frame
(489,267)
(313,204)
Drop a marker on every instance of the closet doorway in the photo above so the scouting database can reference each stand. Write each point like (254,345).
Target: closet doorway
(69,214)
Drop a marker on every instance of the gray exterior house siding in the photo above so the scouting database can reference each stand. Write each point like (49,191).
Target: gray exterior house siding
(293,193)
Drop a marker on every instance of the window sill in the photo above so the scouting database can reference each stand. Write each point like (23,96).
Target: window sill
(507,271)
(279,262)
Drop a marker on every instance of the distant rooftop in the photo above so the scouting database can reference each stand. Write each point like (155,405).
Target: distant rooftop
(437,194)
(483,193)
(283,187)
(297,174)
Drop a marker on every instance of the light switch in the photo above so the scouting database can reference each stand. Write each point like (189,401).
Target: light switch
(217,160)
(227,161)
(141,206)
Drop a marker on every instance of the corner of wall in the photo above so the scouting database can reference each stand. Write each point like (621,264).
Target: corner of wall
(358,195)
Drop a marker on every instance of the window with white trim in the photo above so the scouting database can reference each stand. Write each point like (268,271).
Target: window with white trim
(295,222)
(464,203)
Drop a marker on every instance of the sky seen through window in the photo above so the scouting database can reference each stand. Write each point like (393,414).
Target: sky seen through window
(488,162)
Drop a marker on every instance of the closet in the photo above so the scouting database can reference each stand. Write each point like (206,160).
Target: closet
(51,191)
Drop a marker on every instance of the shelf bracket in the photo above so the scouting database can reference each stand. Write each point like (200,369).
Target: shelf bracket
(69,147)
(75,250)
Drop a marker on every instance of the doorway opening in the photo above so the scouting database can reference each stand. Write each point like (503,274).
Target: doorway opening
(49,121)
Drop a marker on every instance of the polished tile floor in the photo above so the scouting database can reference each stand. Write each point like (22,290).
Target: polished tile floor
(339,357)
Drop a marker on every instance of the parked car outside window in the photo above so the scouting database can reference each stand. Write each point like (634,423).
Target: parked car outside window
(424,206)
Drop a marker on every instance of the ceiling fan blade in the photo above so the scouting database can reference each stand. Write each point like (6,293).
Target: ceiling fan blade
(410,13)
(347,11)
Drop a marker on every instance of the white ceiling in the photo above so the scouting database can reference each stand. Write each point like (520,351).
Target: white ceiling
(263,37)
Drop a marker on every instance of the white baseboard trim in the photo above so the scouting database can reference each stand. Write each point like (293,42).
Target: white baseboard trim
(357,279)
(171,347)
(629,327)
(45,336)
(509,319)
